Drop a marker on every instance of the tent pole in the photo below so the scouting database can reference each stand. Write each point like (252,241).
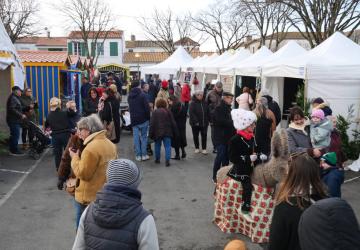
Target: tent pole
(305,89)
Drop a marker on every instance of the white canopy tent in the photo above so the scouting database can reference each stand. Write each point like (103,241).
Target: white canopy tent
(199,66)
(195,63)
(11,58)
(246,67)
(213,67)
(239,56)
(180,58)
(331,71)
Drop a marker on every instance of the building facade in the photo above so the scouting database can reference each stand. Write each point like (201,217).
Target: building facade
(41,43)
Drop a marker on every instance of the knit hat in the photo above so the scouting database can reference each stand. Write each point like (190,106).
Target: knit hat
(123,172)
(235,245)
(242,118)
(164,84)
(15,88)
(318,113)
(55,103)
(318,100)
(219,85)
(227,94)
(330,158)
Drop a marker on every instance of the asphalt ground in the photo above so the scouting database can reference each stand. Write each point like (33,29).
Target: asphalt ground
(34,214)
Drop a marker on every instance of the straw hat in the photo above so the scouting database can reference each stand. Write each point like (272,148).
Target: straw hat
(55,103)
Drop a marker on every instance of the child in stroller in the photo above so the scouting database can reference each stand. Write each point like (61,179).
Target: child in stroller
(40,141)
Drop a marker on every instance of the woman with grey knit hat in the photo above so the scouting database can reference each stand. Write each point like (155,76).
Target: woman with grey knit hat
(117,219)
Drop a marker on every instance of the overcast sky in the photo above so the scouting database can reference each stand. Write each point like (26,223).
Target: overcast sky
(125,13)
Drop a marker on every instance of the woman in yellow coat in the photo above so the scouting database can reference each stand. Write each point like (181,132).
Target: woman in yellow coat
(90,168)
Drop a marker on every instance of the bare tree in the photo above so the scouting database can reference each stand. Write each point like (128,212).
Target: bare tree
(319,19)
(164,26)
(225,27)
(19,17)
(93,19)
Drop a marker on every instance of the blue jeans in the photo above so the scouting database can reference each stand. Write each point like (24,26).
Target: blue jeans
(79,209)
(167,145)
(140,132)
(14,136)
(221,160)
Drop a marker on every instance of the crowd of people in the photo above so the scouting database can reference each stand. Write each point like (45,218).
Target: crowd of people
(108,208)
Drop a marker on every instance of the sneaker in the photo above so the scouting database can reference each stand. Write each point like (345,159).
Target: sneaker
(16,153)
(145,158)
(138,158)
(204,152)
(247,217)
(197,151)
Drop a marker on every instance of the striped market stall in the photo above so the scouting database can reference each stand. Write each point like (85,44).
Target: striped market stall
(42,70)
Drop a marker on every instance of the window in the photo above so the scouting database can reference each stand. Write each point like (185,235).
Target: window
(131,50)
(100,49)
(77,48)
(114,49)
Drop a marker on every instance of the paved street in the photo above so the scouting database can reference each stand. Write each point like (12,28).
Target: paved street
(35,215)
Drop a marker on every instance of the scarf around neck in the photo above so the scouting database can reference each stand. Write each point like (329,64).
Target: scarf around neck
(297,127)
(245,135)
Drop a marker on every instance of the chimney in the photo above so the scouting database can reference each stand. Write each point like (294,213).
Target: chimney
(133,38)
(248,38)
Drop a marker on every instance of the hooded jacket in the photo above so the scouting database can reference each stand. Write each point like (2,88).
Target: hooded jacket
(320,134)
(138,106)
(223,124)
(199,113)
(329,224)
(333,177)
(116,220)
(274,107)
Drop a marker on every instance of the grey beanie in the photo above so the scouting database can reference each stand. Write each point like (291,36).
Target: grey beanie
(123,172)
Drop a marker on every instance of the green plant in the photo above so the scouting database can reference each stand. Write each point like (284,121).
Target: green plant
(350,147)
(301,101)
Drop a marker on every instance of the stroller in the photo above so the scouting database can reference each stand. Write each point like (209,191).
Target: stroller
(40,141)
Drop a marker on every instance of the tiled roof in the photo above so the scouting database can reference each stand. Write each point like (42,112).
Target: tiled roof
(44,41)
(110,34)
(154,57)
(43,56)
(141,44)
(186,41)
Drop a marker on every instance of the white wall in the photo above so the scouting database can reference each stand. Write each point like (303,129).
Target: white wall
(106,58)
(25,46)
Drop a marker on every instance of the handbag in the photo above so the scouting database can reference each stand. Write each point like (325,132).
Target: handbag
(70,185)
(110,127)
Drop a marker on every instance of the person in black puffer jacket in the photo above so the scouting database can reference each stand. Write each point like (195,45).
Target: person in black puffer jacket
(117,218)
(179,113)
(223,131)
(14,119)
(59,123)
(199,120)
(329,224)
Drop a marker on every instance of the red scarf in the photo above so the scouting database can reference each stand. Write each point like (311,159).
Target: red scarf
(245,134)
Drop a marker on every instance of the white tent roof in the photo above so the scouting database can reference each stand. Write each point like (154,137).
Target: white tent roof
(239,55)
(171,65)
(197,61)
(214,66)
(7,46)
(335,58)
(249,66)
(199,67)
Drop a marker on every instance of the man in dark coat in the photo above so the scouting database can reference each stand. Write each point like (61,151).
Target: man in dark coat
(329,224)
(14,119)
(213,100)
(274,107)
(223,131)
(140,115)
(117,218)
(84,90)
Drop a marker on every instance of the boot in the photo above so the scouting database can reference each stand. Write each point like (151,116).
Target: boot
(167,164)
(183,155)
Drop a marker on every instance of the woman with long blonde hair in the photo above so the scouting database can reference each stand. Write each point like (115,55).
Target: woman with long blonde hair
(301,187)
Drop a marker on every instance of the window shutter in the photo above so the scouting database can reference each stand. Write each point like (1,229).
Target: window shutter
(93,49)
(70,48)
(82,49)
(114,49)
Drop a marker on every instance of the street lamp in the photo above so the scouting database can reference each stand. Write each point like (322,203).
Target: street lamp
(137,55)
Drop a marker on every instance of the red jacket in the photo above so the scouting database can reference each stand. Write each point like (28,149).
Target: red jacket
(185,93)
